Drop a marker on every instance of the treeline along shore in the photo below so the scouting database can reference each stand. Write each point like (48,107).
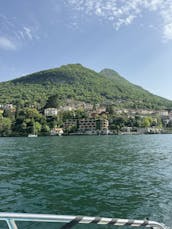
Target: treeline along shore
(82,118)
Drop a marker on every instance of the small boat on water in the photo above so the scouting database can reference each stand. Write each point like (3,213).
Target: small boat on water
(70,221)
(33,132)
(32,135)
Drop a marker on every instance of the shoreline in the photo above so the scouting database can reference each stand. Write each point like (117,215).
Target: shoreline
(85,134)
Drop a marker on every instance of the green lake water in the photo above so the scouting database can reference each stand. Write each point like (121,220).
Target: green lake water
(111,176)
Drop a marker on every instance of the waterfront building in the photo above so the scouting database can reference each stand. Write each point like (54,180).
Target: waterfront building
(87,125)
(69,123)
(56,131)
(99,126)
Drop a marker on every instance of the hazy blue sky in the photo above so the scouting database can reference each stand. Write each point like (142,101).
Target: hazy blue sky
(132,37)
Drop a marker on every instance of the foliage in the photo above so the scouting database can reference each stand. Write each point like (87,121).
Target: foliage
(147,122)
(53,87)
(5,126)
(54,101)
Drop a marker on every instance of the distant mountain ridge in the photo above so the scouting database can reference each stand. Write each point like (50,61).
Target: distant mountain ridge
(81,84)
(121,81)
(112,74)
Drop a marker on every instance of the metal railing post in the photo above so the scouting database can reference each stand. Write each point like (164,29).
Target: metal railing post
(11,218)
(11,224)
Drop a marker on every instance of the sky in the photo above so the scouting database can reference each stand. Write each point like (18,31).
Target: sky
(132,37)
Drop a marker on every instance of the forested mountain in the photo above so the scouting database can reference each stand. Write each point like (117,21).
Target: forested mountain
(78,83)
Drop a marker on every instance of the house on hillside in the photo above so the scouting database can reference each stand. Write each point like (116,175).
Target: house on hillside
(65,108)
(144,112)
(50,112)
(8,106)
(101,109)
(162,113)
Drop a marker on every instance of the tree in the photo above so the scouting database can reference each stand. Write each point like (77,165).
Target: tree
(81,113)
(118,123)
(53,101)
(138,121)
(32,113)
(147,122)
(37,127)
(5,126)
(110,109)
(71,129)
(45,129)
(68,115)
(9,114)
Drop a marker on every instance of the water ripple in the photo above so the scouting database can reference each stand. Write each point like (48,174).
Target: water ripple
(113,176)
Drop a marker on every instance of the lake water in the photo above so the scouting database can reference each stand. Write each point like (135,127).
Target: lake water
(111,176)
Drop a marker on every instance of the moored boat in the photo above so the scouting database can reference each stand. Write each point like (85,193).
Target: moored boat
(32,135)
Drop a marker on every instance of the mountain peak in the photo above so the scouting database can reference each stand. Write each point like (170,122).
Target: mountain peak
(65,73)
(81,84)
(112,74)
(108,71)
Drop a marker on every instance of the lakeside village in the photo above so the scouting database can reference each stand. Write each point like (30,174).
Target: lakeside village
(81,118)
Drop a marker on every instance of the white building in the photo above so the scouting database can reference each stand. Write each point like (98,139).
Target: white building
(8,106)
(50,112)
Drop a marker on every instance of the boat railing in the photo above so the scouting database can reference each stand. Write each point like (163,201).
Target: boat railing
(70,221)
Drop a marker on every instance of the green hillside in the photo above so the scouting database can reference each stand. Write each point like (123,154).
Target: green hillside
(78,83)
